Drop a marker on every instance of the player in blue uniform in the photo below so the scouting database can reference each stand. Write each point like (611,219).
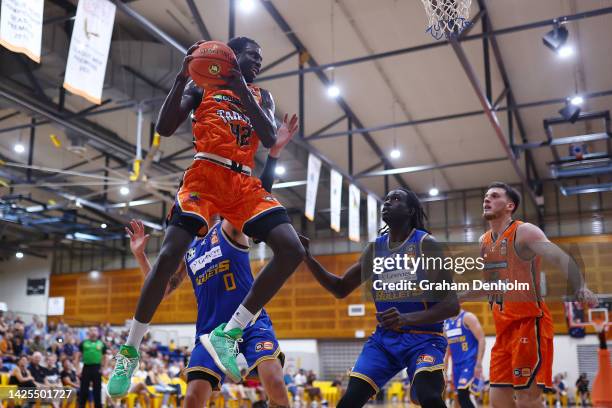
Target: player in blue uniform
(220,273)
(410,330)
(466,346)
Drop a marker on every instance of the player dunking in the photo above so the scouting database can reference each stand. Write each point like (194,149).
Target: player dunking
(228,123)
(466,346)
(521,359)
(409,334)
(220,273)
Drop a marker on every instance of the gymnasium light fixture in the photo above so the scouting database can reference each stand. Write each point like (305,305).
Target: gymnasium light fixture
(565,51)
(577,100)
(556,38)
(103,226)
(19,255)
(247,5)
(395,154)
(94,274)
(570,112)
(333,91)
(434,191)
(19,148)
(279,170)
(124,190)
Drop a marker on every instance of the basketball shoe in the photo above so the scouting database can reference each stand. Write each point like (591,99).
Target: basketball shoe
(223,348)
(120,380)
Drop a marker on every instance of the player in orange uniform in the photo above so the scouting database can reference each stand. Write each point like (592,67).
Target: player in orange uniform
(228,123)
(521,359)
(602,384)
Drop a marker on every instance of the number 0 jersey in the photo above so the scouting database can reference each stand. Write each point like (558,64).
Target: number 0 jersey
(221,277)
(221,126)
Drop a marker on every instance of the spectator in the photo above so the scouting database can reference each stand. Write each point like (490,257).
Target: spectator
(93,355)
(38,372)
(37,344)
(52,370)
(582,387)
(6,347)
(18,347)
(21,376)
(69,375)
(291,386)
(313,392)
(159,379)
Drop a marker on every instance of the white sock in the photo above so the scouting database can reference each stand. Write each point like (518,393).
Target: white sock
(137,332)
(241,318)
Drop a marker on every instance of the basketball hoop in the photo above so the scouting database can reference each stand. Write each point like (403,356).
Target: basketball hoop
(447,18)
(598,319)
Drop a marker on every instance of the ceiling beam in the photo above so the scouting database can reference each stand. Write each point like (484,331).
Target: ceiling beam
(198,20)
(437,44)
(297,43)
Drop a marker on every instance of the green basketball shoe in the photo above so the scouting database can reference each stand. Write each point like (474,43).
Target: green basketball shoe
(223,348)
(120,379)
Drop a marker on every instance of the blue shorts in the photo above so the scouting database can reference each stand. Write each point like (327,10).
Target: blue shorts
(463,374)
(258,344)
(387,352)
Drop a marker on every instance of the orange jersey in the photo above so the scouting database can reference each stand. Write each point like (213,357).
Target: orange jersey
(502,263)
(222,127)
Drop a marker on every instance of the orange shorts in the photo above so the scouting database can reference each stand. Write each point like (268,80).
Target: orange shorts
(521,355)
(208,189)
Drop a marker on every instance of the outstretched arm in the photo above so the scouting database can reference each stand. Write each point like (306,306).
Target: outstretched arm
(184,96)
(284,135)
(339,286)
(138,245)
(532,241)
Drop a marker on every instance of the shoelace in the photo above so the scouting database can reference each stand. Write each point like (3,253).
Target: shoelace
(122,365)
(234,348)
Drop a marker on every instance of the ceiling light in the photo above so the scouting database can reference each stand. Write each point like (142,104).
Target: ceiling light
(434,192)
(19,148)
(577,100)
(395,153)
(19,255)
(279,170)
(247,5)
(124,190)
(94,274)
(556,38)
(565,51)
(103,226)
(333,91)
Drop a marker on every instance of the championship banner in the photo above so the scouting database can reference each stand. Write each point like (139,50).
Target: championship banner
(372,218)
(335,199)
(89,46)
(354,199)
(314,169)
(21,23)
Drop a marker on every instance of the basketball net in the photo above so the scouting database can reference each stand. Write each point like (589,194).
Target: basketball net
(599,319)
(447,18)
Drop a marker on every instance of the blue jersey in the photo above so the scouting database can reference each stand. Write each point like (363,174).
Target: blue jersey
(407,301)
(461,341)
(221,277)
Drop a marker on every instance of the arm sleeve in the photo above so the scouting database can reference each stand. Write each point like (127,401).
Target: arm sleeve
(267,175)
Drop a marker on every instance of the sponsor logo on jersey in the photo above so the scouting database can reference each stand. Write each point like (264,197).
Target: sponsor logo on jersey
(232,116)
(221,267)
(526,372)
(191,253)
(226,98)
(503,247)
(463,380)
(425,358)
(205,259)
(454,332)
(193,196)
(524,340)
(264,345)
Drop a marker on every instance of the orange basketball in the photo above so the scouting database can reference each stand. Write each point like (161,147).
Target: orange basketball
(212,60)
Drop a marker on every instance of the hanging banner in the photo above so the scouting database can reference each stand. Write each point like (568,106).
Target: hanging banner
(89,46)
(21,23)
(314,169)
(372,218)
(354,199)
(335,199)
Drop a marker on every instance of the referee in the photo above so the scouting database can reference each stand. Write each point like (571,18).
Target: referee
(93,356)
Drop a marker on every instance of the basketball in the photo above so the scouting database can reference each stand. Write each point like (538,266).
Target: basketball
(212,60)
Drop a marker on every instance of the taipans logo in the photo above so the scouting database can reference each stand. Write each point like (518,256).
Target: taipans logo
(522,372)
(191,253)
(193,196)
(264,345)
(214,69)
(425,358)
(205,259)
